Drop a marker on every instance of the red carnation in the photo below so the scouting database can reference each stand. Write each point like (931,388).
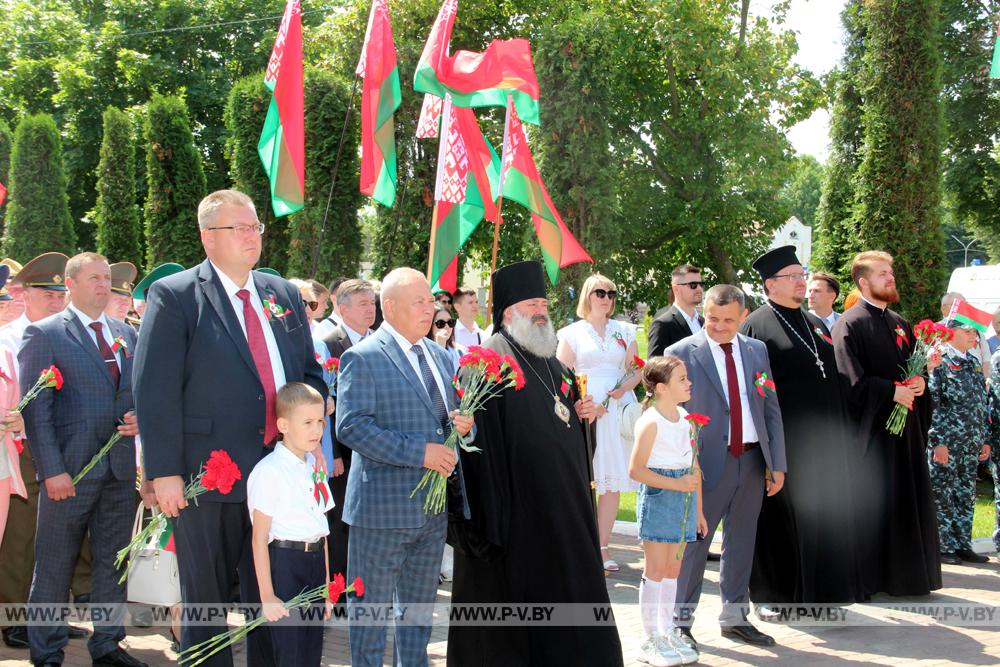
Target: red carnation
(359,587)
(332,365)
(317,356)
(698,420)
(335,588)
(19,446)
(54,377)
(638,361)
(221,472)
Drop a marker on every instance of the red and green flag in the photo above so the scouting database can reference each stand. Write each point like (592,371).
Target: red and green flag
(468,174)
(520,181)
(380,97)
(430,117)
(282,146)
(3,194)
(967,314)
(995,66)
(477,79)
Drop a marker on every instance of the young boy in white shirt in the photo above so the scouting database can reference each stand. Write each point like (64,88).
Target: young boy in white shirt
(288,497)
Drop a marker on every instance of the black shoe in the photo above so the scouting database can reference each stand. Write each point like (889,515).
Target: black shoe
(970,556)
(118,658)
(683,633)
(714,556)
(950,558)
(749,634)
(78,633)
(16,637)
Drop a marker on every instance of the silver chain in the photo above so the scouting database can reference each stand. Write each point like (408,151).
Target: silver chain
(814,348)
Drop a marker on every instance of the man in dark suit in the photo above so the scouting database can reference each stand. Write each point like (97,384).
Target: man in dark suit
(217,342)
(65,429)
(356,303)
(742,456)
(681,319)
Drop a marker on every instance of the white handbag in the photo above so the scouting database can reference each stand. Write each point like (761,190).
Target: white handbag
(153,579)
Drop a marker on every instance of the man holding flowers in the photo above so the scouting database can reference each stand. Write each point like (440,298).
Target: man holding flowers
(65,430)
(897,532)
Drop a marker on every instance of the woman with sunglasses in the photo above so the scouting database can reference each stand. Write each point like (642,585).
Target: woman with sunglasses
(443,333)
(602,349)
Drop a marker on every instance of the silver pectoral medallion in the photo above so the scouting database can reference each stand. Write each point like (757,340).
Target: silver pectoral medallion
(562,411)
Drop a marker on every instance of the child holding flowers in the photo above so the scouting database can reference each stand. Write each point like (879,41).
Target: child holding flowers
(665,464)
(288,497)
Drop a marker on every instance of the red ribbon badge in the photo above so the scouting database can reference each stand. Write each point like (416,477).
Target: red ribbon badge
(819,332)
(901,337)
(319,487)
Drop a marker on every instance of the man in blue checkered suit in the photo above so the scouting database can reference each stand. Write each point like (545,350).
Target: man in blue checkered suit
(65,429)
(396,406)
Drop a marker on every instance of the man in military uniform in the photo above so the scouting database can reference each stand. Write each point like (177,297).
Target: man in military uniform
(957,439)
(122,278)
(994,439)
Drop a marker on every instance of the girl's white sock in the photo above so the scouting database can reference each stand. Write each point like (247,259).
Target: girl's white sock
(649,603)
(665,608)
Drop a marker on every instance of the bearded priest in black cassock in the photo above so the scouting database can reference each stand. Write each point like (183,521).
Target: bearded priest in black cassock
(898,535)
(805,548)
(533,537)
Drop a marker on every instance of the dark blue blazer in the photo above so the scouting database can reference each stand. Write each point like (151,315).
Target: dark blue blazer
(66,428)
(196,385)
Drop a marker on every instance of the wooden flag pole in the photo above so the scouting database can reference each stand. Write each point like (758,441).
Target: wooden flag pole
(493,263)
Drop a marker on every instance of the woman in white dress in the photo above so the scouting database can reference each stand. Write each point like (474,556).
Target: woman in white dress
(602,349)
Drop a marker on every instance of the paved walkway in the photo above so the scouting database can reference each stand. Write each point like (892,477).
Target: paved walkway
(914,640)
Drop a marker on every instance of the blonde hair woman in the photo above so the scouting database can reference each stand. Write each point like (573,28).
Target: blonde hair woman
(602,348)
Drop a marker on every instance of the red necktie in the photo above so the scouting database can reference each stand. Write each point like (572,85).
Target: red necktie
(735,404)
(109,356)
(262,360)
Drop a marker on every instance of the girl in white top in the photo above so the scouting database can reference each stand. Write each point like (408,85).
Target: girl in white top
(661,461)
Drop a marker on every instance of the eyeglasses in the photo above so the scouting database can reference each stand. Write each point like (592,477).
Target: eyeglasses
(241,229)
(441,324)
(694,284)
(311,305)
(604,294)
(446,302)
(794,276)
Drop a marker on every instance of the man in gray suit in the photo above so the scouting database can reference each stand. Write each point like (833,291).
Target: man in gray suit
(742,456)
(395,408)
(65,430)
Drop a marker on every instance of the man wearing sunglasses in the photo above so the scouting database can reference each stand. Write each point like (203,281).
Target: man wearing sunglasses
(681,319)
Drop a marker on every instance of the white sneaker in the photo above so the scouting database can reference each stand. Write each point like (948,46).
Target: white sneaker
(650,655)
(686,651)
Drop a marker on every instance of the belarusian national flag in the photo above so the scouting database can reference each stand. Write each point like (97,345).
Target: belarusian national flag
(968,314)
(3,193)
(430,117)
(519,180)
(476,79)
(995,67)
(467,176)
(380,97)
(282,146)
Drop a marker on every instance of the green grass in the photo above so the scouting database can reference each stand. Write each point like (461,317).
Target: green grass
(983,521)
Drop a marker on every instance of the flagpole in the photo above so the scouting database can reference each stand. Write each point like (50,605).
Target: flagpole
(333,177)
(499,221)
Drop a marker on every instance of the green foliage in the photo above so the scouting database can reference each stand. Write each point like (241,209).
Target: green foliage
(119,234)
(244,117)
(176,185)
(898,182)
(326,99)
(6,143)
(38,218)
(802,191)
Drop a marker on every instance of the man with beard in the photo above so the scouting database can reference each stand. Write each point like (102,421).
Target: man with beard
(805,547)
(532,538)
(897,529)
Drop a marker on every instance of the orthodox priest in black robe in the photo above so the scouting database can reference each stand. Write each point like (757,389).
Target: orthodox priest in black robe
(805,548)
(532,538)
(898,535)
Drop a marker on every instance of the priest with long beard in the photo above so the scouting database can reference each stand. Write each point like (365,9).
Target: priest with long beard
(897,527)
(532,539)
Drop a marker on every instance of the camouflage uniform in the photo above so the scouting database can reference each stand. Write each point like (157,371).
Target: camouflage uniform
(960,422)
(994,438)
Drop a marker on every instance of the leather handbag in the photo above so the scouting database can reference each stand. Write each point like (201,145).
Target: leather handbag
(153,578)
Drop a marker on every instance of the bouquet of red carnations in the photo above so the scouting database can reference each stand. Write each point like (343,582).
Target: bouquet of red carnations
(48,378)
(332,366)
(332,590)
(928,335)
(485,375)
(634,366)
(697,423)
(219,474)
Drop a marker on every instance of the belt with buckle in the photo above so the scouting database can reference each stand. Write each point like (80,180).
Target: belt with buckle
(308,547)
(747,446)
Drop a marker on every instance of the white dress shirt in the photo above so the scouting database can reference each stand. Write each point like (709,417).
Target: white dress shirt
(87,320)
(693,323)
(354,335)
(719,355)
(465,336)
(282,487)
(411,356)
(829,319)
(277,368)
